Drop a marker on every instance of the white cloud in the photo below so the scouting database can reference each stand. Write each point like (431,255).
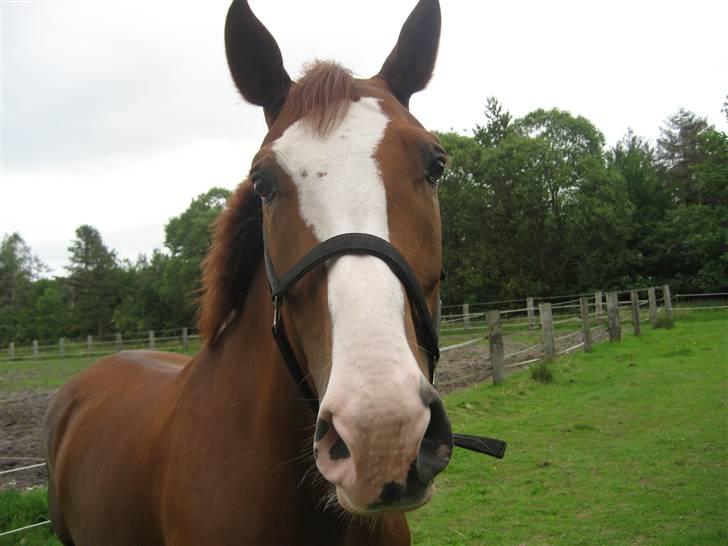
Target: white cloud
(117,114)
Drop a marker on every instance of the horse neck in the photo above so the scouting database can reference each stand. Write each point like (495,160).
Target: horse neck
(249,374)
(256,378)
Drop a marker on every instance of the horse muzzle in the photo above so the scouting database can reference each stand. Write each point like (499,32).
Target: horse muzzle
(384,460)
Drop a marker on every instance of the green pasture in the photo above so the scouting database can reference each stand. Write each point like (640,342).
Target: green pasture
(628,445)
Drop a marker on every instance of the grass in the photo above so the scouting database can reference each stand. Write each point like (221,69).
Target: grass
(25,375)
(628,445)
(48,374)
(20,509)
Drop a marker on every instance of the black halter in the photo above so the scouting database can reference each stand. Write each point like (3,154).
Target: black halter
(426,326)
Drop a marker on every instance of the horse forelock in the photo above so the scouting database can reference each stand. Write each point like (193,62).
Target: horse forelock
(321,98)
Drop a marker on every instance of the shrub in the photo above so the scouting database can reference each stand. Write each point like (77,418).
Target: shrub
(542,373)
(663,321)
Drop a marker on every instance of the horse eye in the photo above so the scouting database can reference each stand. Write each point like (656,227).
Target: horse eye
(436,168)
(264,186)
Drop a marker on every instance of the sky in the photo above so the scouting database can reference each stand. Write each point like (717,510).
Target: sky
(118,114)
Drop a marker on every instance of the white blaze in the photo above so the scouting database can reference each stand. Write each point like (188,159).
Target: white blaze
(340,190)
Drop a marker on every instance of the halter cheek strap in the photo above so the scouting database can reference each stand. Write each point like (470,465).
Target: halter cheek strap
(426,326)
(360,243)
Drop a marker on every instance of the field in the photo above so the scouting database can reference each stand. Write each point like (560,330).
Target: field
(628,445)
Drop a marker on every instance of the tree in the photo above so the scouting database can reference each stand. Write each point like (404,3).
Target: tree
(497,126)
(530,206)
(92,282)
(18,269)
(46,316)
(188,237)
(678,151)
(710,176)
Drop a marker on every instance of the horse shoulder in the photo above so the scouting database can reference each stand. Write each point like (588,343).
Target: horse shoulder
(103,433)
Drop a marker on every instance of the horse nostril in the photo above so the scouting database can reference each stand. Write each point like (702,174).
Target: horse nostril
(331,452)
(436,447)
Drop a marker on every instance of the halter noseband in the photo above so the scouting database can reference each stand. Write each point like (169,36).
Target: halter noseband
(426,327)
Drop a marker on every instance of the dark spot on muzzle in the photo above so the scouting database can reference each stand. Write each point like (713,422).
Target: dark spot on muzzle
(433,456)
(436,447)
(391,493)
(322,427)
(339,451)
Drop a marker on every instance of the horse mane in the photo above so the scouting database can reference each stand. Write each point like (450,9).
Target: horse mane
(321,97)
(228,269)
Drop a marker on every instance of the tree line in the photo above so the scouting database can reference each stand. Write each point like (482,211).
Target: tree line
(538,206)
(531,206)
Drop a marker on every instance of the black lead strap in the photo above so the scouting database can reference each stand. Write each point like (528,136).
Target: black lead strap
(426,325)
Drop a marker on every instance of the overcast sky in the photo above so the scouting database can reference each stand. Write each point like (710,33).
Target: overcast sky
(117,114)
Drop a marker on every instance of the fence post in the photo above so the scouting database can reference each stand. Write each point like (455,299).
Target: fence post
(668,301)
(466,316)
(89,344)
(615,330)
(547,330)
(119,342)
(653,306)
(531,313)
(151,339)
(495,338)
(634,300)
(62,346)
(585,324)
(11,349)
(598,299)
(35,348)
(185,338)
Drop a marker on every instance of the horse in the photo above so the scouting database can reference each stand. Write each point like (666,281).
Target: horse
(328,430)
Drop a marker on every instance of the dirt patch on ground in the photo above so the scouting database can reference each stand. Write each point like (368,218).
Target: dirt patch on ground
(22,413)
(21,442)
(468,365)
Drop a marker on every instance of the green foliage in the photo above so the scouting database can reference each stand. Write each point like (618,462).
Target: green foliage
(189,234)
(542,373)
(92,283)
(18,269)
(18,509)
(531,207)
(537,206)
(163,290)
(679,149)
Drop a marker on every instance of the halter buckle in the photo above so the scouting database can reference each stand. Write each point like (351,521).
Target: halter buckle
(276,314)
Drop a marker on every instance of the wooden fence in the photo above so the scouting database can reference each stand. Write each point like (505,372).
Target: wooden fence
(613,309)
(180,339)
(538,313)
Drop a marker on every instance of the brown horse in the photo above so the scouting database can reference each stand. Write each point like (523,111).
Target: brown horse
(148,448)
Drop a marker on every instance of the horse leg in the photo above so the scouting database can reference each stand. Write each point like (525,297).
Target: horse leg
(56,515)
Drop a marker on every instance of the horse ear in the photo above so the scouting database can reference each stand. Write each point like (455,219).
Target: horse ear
(410,64)
(255,60)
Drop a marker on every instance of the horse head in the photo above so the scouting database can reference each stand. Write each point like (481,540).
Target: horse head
(345,155)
